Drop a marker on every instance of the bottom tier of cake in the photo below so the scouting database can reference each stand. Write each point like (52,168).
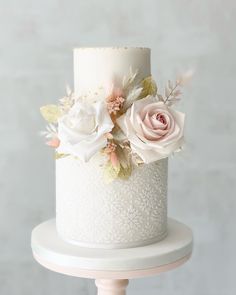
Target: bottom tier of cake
(121,214)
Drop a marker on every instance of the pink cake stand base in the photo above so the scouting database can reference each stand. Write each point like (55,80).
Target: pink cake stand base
(111,269)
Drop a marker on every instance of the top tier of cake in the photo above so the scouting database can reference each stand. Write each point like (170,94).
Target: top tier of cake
(97,67)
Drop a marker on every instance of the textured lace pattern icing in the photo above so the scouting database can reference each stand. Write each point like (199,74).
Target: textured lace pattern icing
(120,214)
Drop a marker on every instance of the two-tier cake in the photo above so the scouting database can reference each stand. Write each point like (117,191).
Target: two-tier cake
(113,135)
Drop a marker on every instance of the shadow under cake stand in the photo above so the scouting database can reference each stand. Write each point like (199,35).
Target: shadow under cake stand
(111,268)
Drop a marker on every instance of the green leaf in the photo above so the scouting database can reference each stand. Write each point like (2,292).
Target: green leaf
(60,156)
(149,87)
(123,156)
(111,172)
(51,113)
(125,172)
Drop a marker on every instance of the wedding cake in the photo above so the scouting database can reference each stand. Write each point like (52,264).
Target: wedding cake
(113,135)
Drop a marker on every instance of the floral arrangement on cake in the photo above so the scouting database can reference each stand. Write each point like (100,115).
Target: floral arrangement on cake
(129,125)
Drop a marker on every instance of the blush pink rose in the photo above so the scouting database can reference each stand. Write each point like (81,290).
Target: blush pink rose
(154,130)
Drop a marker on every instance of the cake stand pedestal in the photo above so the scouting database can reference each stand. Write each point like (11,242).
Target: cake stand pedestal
(111,268)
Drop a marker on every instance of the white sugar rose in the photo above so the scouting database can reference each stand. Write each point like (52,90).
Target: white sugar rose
(153,129)
(82,130)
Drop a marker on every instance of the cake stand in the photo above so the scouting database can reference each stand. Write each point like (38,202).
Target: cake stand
(110,268)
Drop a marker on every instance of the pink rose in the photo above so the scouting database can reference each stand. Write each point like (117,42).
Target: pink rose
(153,129)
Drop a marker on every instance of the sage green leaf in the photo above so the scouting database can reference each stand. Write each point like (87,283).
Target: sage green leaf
(125,172)
(51,113)
(111,172)
(123,156)
(149,87)
(60,156)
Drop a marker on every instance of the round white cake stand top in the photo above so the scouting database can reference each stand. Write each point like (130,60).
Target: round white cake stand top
(111,268)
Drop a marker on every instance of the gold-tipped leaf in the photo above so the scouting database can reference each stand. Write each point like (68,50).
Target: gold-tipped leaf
(60,156)
(51,113)
(111,172)
(125,172)
(149,87)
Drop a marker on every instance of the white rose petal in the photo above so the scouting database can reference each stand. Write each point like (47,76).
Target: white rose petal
(82,130)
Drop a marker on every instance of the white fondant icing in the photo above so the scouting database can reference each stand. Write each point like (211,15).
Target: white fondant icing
(99,67)
(121,214)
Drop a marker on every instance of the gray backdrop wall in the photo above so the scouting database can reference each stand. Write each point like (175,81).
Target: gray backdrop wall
(36,41)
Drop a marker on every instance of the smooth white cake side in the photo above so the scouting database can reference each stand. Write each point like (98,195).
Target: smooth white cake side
(99,67)
(121,214)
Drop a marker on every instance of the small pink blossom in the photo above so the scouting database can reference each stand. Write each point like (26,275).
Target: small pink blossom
(54,142)
(115,101)
(111,147)
(114,159)
(110,150)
